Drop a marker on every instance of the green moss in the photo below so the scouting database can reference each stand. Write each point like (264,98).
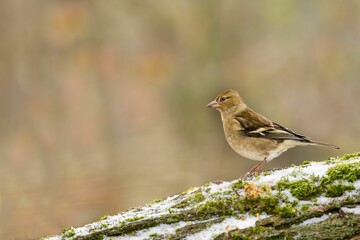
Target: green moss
(121,224)
(305,207)
(198,197)
(301,189)
(268,204)
(153,235)
(239,184)
(228,192)
(215,206)
(314,178)
(239,237)
(306,162)
(266,173)
(350,155)
(233,205)
(256,230)
(189,190)
(264,188)
(216,195)
(182,204)
(191,200)
(337,190)
(134,219)
(286,211)
(345,171)
(68,232)
(156,201)
(173,218)
(97,237)
(296,172)
(104,225)
(324,181)
(259,204)
(104,217)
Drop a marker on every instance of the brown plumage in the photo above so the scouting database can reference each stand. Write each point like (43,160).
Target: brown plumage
(252,135)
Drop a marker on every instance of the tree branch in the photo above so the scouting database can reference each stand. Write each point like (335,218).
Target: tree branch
(316,200)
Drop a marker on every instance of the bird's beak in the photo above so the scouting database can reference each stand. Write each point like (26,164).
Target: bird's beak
(213,104)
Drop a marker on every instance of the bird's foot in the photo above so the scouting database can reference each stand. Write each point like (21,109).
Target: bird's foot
(250,174)
(257,169)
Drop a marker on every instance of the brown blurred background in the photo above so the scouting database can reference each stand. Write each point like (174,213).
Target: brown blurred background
(102,103)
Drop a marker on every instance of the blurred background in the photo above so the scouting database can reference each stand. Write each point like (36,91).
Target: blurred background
(102,103)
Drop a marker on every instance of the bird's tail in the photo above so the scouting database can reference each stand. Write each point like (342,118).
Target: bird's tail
(323,144)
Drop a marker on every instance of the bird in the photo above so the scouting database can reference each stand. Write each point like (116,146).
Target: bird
(252,135)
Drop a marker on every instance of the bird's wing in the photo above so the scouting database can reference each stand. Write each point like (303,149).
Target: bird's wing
(255,125)
(252,121)
(282,133)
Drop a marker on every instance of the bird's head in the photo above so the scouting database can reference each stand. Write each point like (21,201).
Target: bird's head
(228,102)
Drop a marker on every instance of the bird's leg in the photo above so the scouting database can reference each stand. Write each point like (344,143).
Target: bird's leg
(254,169)
(257,166)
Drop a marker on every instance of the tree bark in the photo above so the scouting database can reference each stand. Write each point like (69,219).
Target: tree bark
(317,200)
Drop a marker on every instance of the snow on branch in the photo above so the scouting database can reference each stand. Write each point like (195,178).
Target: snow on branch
(319,200)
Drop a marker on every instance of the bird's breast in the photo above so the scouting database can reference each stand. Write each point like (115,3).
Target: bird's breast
(249,147)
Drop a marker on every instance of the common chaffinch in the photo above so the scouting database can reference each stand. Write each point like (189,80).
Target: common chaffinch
(252,135)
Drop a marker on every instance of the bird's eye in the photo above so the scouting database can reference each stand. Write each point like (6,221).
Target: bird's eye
(223,98)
